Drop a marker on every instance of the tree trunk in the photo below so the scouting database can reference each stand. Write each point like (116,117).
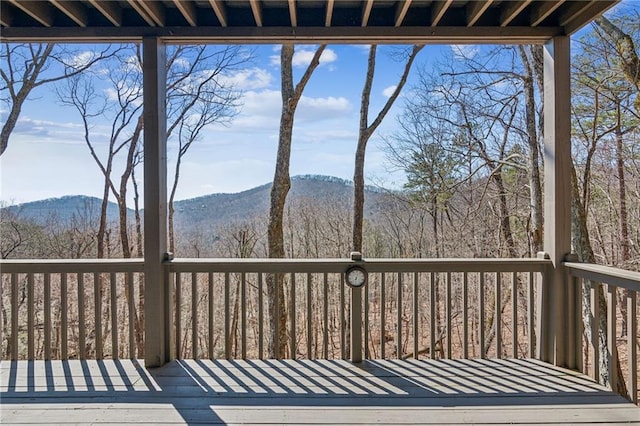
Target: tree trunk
(279,190)
(582,247)
(535,185)
(364,133)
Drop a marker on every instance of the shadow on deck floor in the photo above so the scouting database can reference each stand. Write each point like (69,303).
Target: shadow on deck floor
(508,391)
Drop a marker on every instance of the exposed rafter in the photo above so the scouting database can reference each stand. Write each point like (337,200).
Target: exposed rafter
(41,11)
(297,21)
(256,8)
(220,11)
(543,10)
(594,8)
(401,11)
(111,10)
(188,11)
(137,6)
(475,10)
(438,9)
(329,14)
(293,14)
(155,10)
(74,10)
(512,10)
(366,12)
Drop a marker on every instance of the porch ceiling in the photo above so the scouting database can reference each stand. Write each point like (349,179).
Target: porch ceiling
(300,21)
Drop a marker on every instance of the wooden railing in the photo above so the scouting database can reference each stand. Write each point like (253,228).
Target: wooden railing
(621,304)
(62,309)
(438,308)
(449,308)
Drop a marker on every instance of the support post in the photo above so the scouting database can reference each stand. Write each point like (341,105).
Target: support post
(158,287)
(557,192)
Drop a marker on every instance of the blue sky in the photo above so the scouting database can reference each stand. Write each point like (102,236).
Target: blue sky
(48,158)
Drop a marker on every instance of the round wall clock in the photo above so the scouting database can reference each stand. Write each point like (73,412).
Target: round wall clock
(356,276)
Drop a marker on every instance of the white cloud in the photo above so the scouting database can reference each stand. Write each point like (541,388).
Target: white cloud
(317,109)
(304,54)
(249,79)
(389,91)
(81,59)
(464,51)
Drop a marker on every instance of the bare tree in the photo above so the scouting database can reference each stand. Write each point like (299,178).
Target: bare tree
(24,67)
(281,184)
(197,96)
(365,132)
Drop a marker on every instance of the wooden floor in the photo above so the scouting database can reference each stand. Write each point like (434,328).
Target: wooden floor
(305,392)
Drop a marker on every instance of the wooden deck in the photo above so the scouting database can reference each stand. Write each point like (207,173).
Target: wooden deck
(303,391)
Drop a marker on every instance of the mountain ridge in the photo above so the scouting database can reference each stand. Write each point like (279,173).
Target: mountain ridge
(210,210)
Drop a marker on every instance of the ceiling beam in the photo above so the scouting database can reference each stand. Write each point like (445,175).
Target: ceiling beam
(401,11)
(438,9)
(475,10)
(256,7)
(366,12)
(543,10)
(6,15)
(74,10)
(329,16)
(220,11)
(279,35)
(109,10)
(188,10)
(41,11)
(511,11)
(293,14)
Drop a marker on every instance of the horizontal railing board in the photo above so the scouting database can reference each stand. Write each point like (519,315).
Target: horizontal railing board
(371,265)
(605,274)
(40,266)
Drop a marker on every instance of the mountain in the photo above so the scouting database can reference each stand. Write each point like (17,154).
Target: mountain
(63,208)
(216,209)
(210,210)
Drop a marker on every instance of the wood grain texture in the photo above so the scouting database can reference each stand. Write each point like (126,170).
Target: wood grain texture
(482,391)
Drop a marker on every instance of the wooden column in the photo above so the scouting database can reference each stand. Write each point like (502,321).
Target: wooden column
(557,199)
(158,289)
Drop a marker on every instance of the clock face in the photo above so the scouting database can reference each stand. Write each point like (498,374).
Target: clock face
(356,277)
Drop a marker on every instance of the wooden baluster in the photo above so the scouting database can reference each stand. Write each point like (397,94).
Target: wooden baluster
(612,336)
(81,318)
(465,315)
(309,318)
(432,313)
(97,302)
(595,329)
(194,315)
(30,317)
(514,313)
(211,313)
(178,315)
(47,316)
(115,350)
(632,344)
(416,318)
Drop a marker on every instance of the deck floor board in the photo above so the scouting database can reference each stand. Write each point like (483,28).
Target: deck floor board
(305,392)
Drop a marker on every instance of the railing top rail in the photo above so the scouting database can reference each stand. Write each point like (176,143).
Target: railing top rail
(372,265)
(605,274)
(274,265)
(24,266)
